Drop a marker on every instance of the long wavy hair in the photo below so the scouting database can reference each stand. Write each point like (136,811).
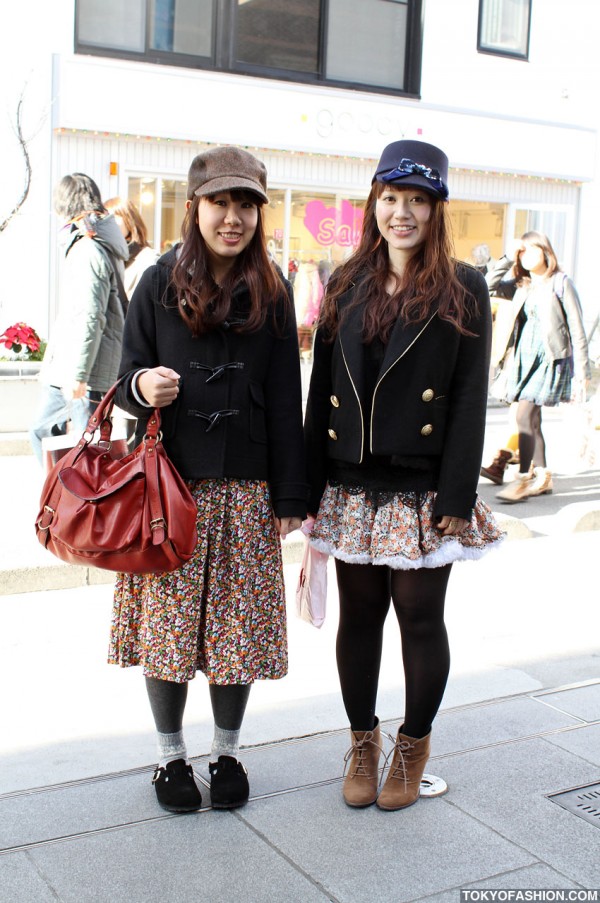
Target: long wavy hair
(203,304)
(541,241)
(429,282)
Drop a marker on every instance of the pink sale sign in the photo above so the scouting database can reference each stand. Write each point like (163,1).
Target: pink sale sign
(334,225)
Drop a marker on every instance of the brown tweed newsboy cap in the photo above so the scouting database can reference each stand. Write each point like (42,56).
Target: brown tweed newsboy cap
(226,169)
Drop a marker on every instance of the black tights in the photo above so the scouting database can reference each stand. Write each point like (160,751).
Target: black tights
(532,446)
(418,597)
(167,701)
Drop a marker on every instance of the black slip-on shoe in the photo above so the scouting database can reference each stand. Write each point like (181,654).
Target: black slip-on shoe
(229,786)
(176,789)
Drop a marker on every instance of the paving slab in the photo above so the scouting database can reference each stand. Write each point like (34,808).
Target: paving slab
(476,726)
(362,855)
(506,787)
(538,877)
(581,702)
(213,856)
(21,881)
(582,743)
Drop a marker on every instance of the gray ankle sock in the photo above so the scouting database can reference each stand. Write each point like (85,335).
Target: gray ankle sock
(170,747)
(225,743)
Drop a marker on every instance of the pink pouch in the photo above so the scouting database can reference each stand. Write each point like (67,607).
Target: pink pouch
(311,593)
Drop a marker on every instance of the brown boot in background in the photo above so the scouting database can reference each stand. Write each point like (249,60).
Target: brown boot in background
(362,781)
(495,472)
(403,783)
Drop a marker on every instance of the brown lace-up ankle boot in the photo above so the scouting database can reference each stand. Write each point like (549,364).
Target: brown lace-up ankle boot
(495,472)
(402,785)
(362,781)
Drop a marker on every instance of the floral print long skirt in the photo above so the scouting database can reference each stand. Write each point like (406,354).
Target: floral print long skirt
(223,612)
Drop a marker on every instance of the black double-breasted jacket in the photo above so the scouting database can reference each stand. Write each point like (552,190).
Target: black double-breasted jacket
(239,409)
(429,399)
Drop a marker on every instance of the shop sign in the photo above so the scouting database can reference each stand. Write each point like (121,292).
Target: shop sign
(334,225)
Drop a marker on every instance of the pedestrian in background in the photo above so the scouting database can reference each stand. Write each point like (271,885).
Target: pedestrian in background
(133,228)
(394,433)
(541,348)
(82,358)
(211,340)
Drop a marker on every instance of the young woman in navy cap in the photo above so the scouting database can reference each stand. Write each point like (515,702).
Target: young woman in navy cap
(211,340)
(394,434)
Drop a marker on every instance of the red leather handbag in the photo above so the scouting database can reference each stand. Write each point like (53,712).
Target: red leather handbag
(134,514)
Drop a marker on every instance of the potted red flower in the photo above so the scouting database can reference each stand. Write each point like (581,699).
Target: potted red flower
(24,342)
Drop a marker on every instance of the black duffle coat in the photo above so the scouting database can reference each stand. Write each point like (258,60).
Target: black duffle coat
(239,409)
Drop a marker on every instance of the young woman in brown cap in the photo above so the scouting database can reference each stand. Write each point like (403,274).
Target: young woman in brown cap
(211,339)
(394,431)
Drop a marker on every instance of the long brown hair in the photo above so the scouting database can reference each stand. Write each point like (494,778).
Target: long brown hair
(132,219)
(429,282)
(202,303)
(543,242)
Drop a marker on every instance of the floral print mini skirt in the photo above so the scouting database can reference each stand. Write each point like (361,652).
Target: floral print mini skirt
(223,612)
(398,531)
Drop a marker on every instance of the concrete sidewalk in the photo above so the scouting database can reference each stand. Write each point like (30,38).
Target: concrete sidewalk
(520,721)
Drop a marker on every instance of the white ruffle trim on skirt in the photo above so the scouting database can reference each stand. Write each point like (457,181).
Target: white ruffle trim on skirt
(400,534)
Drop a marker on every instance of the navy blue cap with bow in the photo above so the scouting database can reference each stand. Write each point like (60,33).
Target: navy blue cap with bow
(414,164)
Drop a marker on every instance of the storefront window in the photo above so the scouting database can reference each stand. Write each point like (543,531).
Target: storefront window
(308,235)
(476,224)
(173,198)
(142,191)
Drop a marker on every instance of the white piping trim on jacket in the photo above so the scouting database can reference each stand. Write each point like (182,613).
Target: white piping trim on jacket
(362,423)
(382,377)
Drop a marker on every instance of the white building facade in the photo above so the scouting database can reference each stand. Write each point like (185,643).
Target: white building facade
(512,106)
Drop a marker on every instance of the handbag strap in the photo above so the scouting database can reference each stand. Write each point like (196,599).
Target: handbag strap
(100,419)
(157,518)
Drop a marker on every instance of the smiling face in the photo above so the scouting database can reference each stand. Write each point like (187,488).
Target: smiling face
(227,224)
(403,216)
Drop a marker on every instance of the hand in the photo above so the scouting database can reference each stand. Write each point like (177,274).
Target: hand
(451,526)
(159,386)
(285,525)
(78,390)
(513,248)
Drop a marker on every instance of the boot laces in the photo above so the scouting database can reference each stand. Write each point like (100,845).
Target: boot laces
(398,767)
(359,748)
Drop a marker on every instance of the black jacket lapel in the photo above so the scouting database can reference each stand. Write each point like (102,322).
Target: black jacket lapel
(401,339)
(350,339)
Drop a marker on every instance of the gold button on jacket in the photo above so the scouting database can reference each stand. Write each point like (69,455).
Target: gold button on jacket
(335,401)
(428,395)
(427,430)
(332,434)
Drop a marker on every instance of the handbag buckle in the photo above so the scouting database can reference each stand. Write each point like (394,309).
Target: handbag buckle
(158,523)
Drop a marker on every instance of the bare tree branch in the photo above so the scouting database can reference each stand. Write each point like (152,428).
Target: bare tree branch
(18,130)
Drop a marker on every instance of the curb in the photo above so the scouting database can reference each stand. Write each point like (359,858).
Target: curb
(68,576)
(578,517)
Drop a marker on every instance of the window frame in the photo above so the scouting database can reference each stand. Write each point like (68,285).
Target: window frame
(497,50)
(223,59)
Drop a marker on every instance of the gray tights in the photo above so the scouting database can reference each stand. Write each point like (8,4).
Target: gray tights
(167,701)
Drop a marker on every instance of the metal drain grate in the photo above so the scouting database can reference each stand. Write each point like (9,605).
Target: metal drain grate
(582,801)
